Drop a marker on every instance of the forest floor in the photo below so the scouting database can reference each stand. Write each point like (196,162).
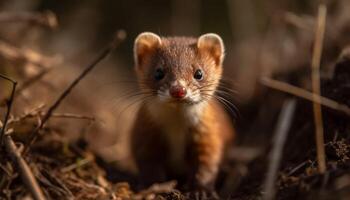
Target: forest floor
(44,164)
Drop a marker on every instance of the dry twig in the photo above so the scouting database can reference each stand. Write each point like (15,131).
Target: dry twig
(46,19)
(54,115)
(120,36)
(76,165)
(73,116)
(15,155)
(9,106)
(299,92)
(14,53)
(26,84)
(302,22)
(283,125)
(25,171)
(316,86)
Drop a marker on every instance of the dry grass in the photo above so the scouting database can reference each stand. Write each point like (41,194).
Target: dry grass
(80,150)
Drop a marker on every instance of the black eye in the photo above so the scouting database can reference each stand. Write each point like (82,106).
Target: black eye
(198,74)
(159,74)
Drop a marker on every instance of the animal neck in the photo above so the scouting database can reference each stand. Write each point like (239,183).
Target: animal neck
(179,114)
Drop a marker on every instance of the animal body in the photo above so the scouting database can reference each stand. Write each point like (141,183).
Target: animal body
(181,128)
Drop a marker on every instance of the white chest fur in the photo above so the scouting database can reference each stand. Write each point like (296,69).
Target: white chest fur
(175,122)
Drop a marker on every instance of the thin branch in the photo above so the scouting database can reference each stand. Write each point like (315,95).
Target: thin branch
(54,115)
(32,113)
(316,86)
(11,149)
(292,171)
(72,116)
(283,125)
(120,36)
(301,22)
(9,106)
(47,18)
(25,171)
(7,78)
(29,82)
(11,52)
(76,165)
(302,93)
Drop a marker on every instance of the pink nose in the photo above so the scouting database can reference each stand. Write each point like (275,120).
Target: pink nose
(178,92)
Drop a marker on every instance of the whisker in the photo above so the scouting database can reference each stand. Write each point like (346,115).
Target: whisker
(221,93)
(130,95)
(207,86)
(229,94)
(236,111)
(142,99)
(227,81)
(226,103)
(227,88)
(219,85)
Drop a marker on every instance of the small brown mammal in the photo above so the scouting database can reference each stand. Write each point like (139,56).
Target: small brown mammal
(180,127)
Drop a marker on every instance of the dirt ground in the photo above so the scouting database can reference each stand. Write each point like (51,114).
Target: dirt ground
(81,151)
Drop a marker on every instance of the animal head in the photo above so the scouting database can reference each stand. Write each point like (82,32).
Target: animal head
(179,69)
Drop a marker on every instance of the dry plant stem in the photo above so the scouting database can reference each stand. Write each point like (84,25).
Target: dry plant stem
(283,125)
(13,53)
(72,116)
(11,149)
(120,36)
(315,65)
(76,165)
(32,80)
(299,92)
(47,19)
(297,21)
(9,106)
(54,115)
(25,172)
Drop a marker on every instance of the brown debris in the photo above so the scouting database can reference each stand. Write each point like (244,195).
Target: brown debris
(59,167)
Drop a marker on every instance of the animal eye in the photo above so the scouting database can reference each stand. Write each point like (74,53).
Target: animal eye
(198,74)
(159,74)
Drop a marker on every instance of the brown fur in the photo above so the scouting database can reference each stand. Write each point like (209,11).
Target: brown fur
(171,137)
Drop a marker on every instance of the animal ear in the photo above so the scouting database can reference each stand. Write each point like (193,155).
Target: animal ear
(145,44)
(213,45)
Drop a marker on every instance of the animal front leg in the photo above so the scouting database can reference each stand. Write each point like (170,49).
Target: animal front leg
(206,159)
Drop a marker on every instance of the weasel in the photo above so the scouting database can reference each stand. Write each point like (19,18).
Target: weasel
(180,127)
